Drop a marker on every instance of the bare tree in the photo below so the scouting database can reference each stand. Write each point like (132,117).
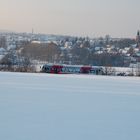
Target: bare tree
(45,52)
(109,70)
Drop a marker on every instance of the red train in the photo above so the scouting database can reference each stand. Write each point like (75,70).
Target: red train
(71,69)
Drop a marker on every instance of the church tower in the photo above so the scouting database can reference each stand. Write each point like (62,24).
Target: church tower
(138,39)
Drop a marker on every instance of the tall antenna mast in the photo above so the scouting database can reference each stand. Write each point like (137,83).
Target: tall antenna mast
(32,31)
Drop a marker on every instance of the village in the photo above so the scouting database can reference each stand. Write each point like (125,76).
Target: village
(22,49)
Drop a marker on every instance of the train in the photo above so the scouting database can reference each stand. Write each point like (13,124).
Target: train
(71,69)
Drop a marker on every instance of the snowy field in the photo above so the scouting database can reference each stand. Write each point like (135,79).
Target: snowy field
(69,107)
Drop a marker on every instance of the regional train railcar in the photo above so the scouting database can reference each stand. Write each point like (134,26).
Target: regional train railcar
(71,69)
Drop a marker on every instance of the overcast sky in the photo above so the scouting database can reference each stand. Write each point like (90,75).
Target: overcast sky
(94,18)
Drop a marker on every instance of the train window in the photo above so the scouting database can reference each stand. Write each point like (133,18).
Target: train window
(70,69)
(93,71)
(74,70)
(77,70)
(47,69)
(63,69)
(66,69)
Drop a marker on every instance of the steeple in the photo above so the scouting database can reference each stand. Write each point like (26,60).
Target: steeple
(138,33)
(138,38)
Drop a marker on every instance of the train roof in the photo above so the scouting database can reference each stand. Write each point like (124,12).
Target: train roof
(77,66)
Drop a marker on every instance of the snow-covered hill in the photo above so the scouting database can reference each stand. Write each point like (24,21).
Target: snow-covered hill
(69,107)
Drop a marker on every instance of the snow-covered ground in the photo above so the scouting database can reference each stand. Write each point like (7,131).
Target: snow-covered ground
(69,107)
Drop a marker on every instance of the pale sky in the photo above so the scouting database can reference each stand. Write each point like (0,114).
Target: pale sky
(94,18)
